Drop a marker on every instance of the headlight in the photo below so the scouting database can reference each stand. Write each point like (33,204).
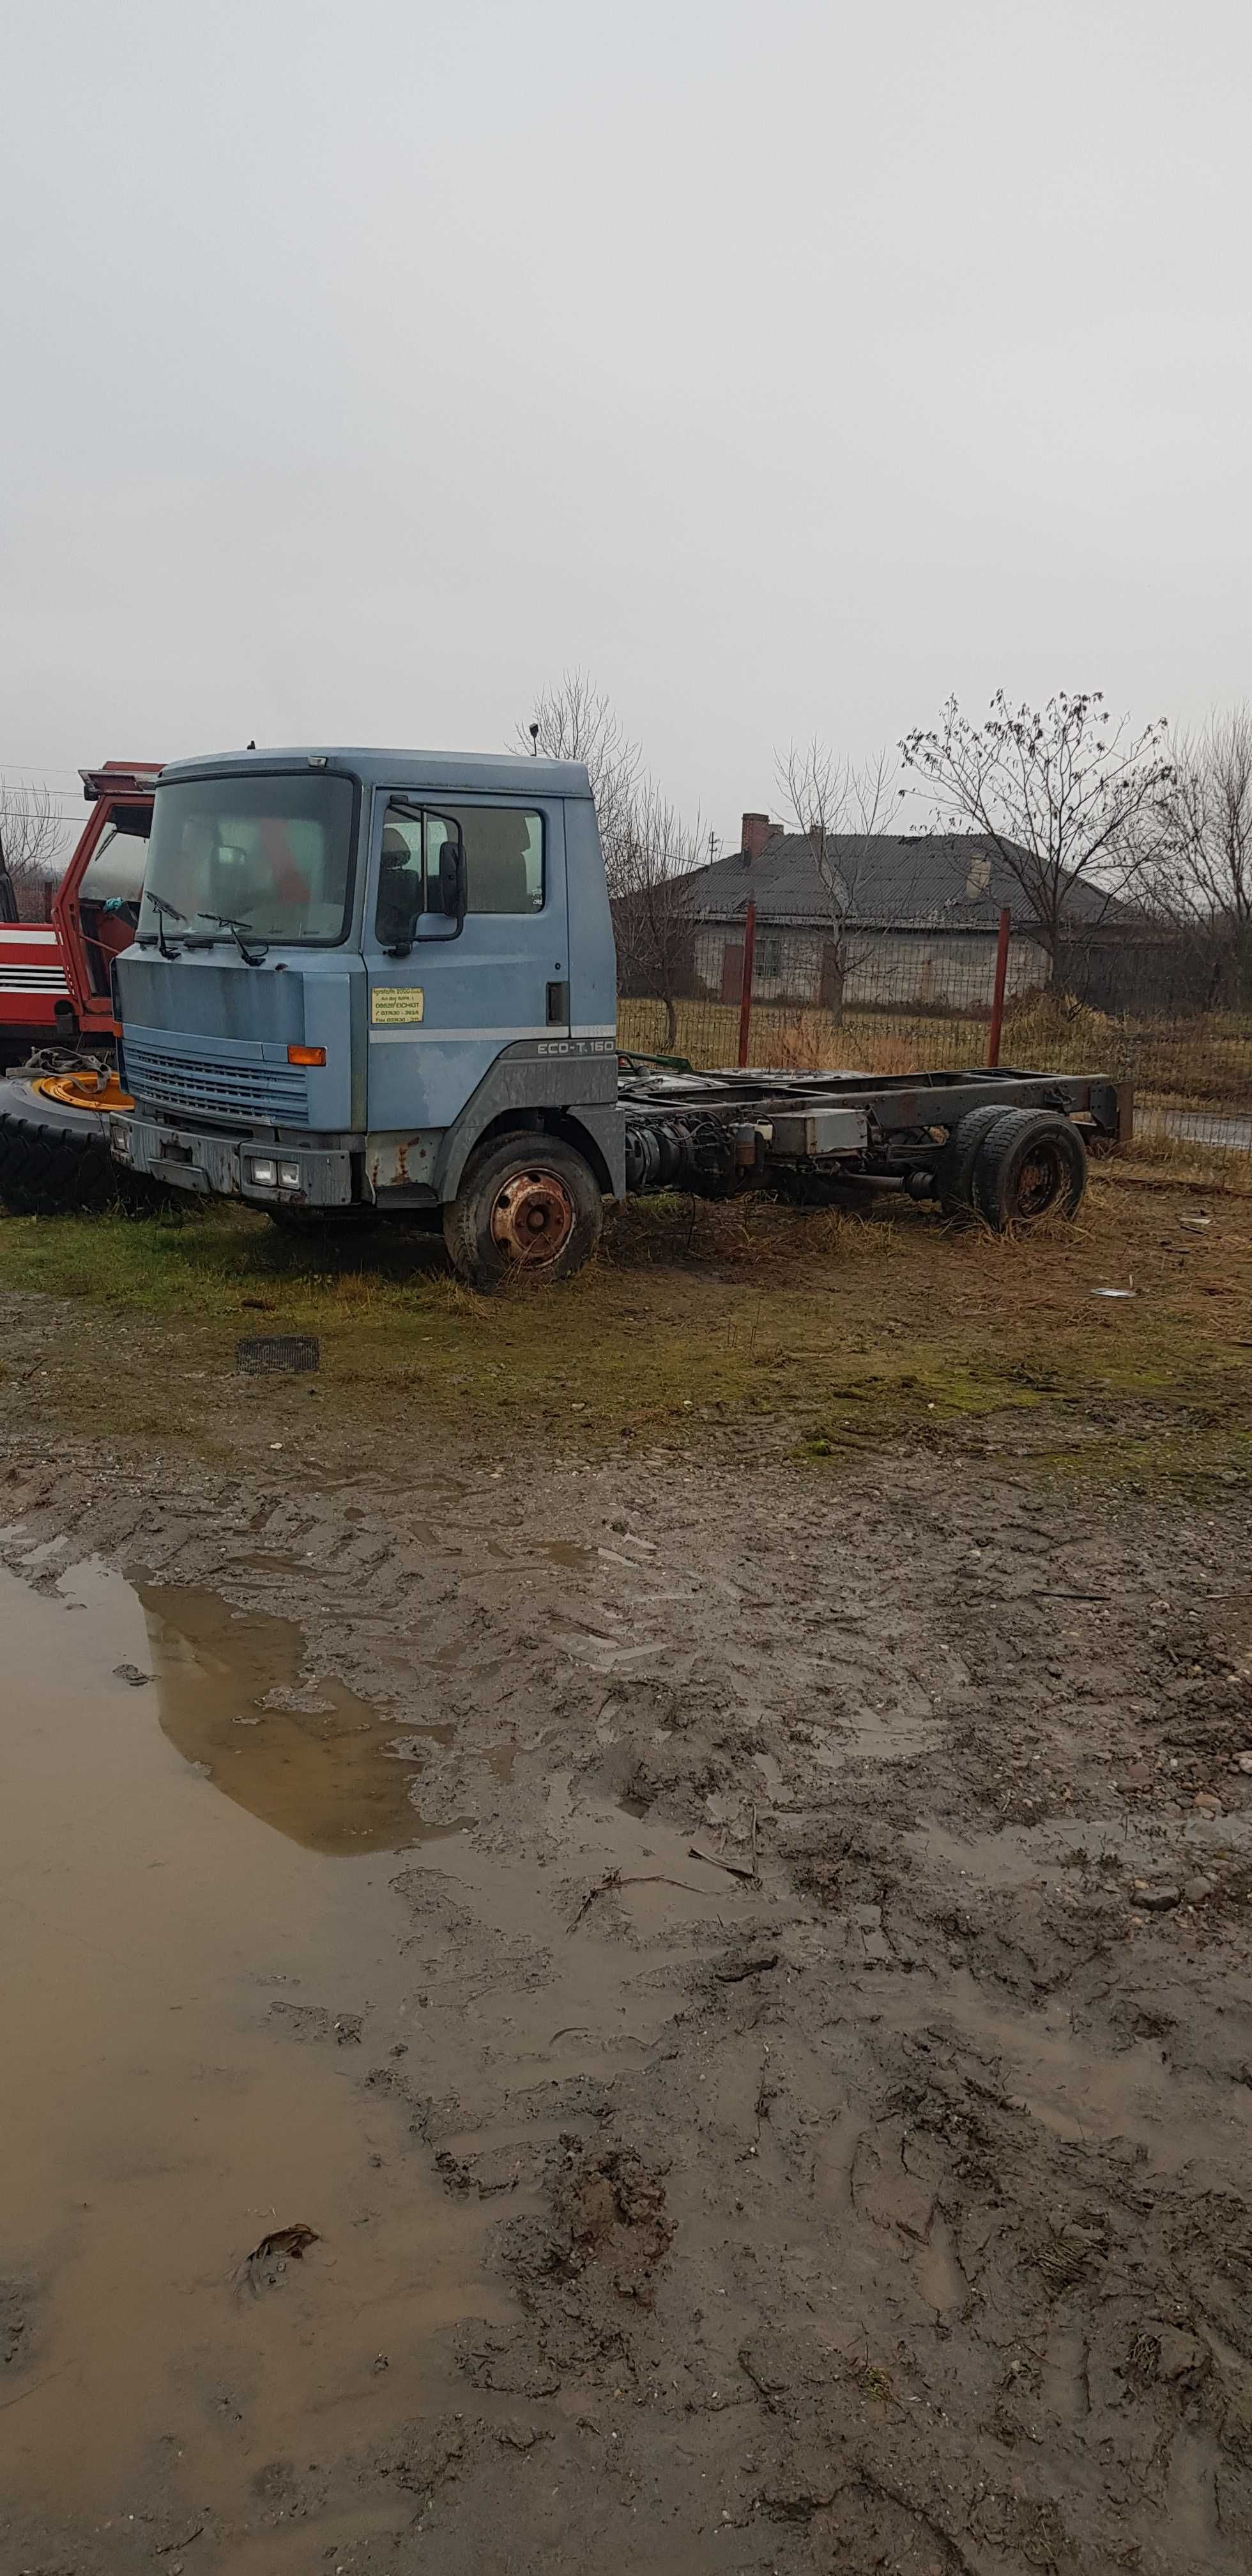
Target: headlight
(289,1176)
(120,1141)
(263,1172)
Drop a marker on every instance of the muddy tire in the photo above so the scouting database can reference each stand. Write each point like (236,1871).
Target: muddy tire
(955,1173)
(1032,1164)
(55,1160)
(528,1207)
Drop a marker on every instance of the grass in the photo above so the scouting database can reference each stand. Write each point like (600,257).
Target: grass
(1200,1062)
(867,1041)
(1182,1159)
(740,1327)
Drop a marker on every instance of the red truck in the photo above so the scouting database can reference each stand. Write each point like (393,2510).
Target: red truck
(56,977)
(56,994)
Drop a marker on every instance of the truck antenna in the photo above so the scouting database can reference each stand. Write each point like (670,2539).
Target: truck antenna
(534,738)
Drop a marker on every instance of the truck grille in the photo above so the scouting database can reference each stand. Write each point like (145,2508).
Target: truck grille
(274,1095)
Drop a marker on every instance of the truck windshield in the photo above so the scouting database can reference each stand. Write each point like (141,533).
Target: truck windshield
(271,855)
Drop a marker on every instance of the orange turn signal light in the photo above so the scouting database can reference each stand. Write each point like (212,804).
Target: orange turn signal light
(306,1055)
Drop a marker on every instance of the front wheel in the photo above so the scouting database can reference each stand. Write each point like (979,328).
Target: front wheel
(528,1207)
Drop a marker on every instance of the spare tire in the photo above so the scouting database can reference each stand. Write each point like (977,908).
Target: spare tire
(55,1159)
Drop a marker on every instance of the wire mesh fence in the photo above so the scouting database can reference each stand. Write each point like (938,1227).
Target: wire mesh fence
(898,1000)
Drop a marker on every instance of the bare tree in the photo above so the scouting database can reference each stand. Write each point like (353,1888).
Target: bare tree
(844,811)
(1201,871)
(31,841)
(573,720)
(649,851)
(653,919)
(1068,802)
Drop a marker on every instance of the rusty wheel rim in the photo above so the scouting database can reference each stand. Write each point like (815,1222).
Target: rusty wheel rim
(532,1218)
(1039,1184)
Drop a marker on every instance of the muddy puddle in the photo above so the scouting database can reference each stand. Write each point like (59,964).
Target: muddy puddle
(310,1761)
(774,2137)
(173,1943)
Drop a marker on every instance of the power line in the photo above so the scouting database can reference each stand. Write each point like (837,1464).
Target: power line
(63,795)
(24,787)
(40,769)
(37,813)
(29,792)
(30,784)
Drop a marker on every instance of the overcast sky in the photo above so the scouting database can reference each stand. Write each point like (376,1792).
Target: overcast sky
(783,363)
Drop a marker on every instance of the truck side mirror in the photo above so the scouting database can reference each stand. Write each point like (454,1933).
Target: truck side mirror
(452,881)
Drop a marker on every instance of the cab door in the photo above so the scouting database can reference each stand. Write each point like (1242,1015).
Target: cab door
(444,1002)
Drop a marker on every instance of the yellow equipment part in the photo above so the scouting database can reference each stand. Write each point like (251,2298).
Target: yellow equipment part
(84,1090)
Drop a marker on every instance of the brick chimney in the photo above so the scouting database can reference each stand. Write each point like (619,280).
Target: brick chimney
(754,837)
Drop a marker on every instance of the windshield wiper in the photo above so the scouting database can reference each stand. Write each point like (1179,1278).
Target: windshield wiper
(164,912)
(230,921)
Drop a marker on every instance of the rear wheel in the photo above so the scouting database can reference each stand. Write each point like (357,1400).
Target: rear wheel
(956,1164)
(1033,1164)
(528,1207)
(55,1159)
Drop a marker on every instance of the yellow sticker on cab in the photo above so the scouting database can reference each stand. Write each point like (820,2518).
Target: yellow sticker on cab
(397,1005)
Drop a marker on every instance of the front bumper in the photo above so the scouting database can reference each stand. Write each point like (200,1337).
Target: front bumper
(222,1167)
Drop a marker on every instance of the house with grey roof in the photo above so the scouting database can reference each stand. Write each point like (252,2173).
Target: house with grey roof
(895,918)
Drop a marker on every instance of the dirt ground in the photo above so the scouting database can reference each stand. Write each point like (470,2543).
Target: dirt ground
(671,2011)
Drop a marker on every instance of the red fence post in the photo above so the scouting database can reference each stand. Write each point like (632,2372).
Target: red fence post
(745,992)
(997,998)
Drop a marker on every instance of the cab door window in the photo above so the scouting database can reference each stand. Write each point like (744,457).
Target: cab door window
(110,893)
(503,863)
(503,857)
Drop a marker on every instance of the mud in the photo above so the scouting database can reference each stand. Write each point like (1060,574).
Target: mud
(155,2127)
(746,1981)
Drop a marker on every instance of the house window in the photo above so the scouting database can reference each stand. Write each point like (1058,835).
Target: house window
(769,954)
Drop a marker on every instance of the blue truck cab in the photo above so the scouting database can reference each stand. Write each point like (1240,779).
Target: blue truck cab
(360,975)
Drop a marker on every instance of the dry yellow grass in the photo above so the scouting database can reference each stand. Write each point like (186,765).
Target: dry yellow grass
(867,1041)
(1204,1062)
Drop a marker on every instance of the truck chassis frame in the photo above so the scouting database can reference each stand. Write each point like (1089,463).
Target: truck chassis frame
(745,1130)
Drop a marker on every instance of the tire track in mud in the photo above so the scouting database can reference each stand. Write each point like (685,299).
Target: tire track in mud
(890,2207)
